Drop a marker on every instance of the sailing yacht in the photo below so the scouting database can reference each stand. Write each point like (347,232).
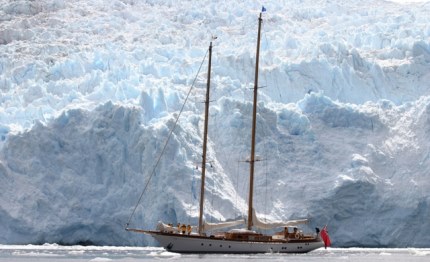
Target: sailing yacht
(245,238)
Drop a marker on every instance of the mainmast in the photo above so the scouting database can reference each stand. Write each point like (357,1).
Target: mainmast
(254,122)
(205,138)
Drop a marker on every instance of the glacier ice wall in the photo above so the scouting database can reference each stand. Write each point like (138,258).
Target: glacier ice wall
(89,91)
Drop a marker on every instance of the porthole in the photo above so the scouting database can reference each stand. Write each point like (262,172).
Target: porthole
(202,244)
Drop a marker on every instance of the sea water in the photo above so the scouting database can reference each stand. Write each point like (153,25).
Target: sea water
(80,253)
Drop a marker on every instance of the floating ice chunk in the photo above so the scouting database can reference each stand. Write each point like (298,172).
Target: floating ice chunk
(100,259)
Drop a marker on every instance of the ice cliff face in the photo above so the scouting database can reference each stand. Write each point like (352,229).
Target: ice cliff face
(90,90)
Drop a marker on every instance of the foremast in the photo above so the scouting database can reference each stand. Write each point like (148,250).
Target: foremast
(205,138)
(254,123)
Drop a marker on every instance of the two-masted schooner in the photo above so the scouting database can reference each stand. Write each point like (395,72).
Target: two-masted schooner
(242,239)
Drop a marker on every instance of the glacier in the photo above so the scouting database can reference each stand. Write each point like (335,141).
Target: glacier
(90,89)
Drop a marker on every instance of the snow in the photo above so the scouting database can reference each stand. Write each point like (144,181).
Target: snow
(90,89)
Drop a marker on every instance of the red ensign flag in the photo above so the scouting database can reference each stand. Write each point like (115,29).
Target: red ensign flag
(325,237)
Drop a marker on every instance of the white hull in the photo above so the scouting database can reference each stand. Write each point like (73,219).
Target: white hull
(195,244)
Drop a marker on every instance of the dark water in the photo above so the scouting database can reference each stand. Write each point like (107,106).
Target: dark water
(99,254)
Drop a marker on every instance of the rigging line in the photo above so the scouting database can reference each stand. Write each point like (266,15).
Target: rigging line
(261,112)
(237,185)
(265,71)
(265,159)
(167,141)
(191,195)
(212,199)
(266,184)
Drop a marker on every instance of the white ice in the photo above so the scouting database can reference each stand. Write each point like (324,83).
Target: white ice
(90,89)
